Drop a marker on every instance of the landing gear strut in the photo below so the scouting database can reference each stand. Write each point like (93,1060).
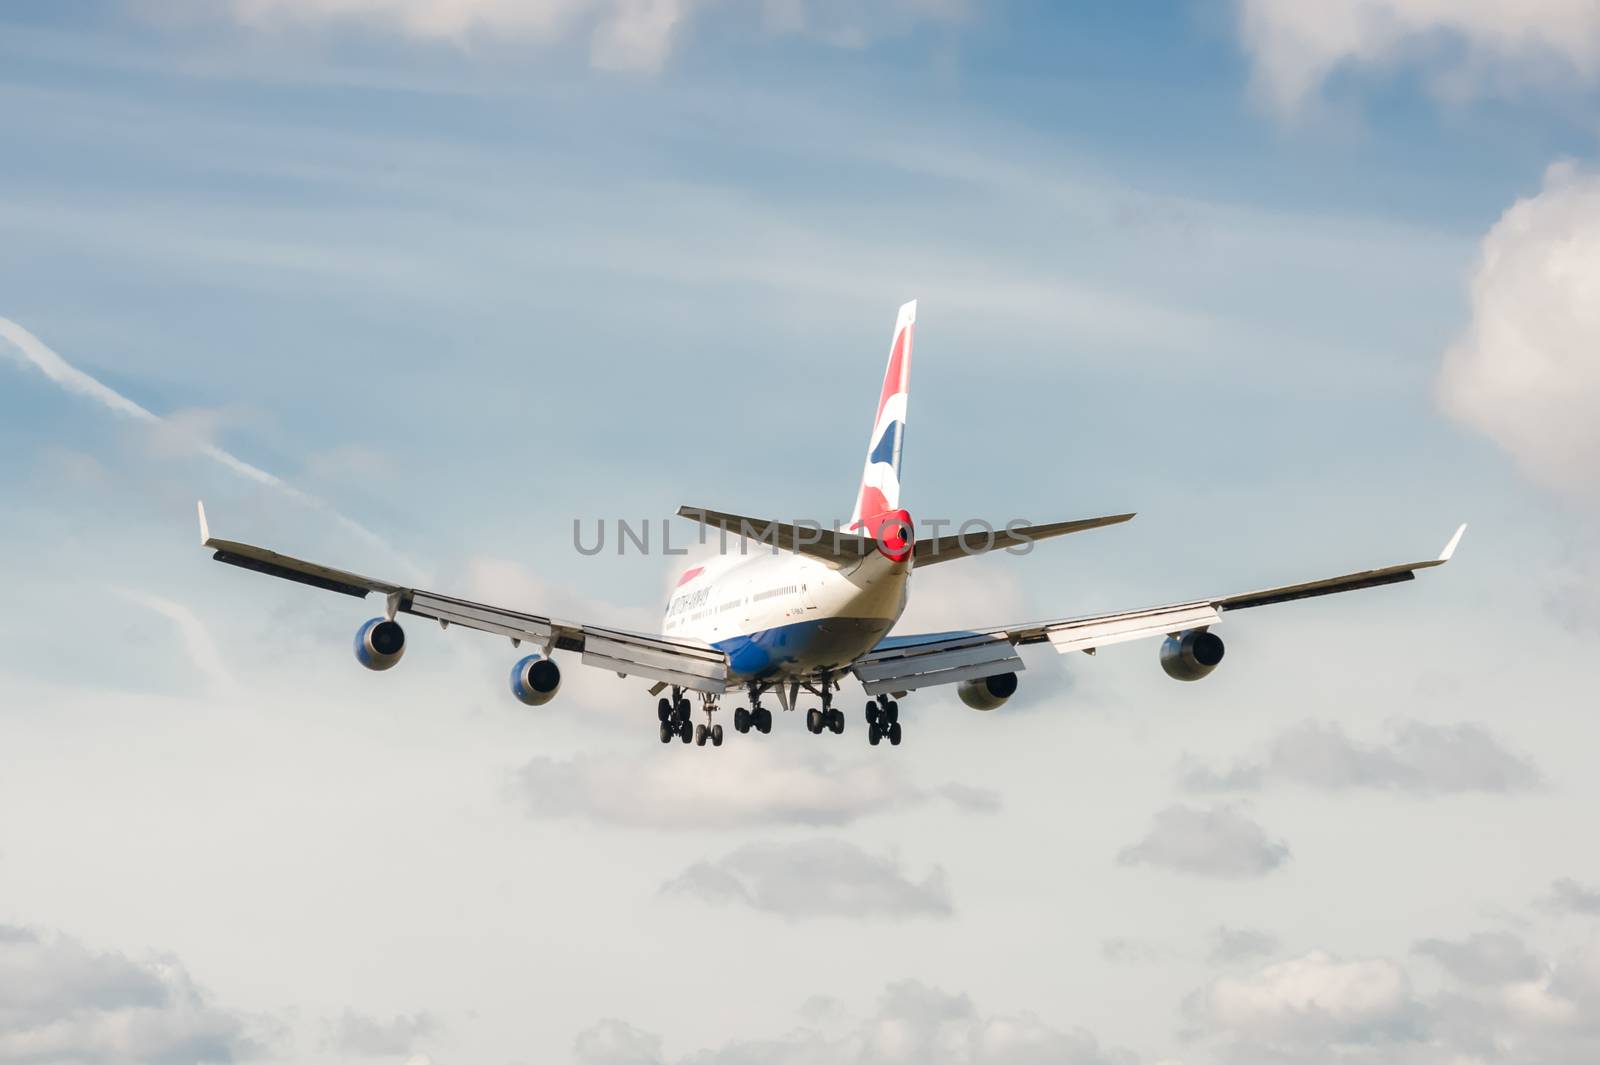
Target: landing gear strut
(673,715)
(757,717)
(828,718)
(883,720)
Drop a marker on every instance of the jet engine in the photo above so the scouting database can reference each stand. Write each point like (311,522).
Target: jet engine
(380,643)
(988,693)
(1191,655)
(535,680)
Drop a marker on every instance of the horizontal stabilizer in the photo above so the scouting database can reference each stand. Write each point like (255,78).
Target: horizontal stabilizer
(814,540)
(962,544)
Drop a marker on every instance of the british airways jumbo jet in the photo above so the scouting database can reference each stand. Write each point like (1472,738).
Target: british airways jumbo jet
(809,608)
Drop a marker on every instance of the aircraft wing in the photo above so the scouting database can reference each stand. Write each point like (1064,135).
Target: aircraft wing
(685,663)
(905,663)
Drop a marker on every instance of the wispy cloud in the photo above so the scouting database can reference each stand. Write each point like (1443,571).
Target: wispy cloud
(197,642)
(814,878)
(1420,759)
(40,356)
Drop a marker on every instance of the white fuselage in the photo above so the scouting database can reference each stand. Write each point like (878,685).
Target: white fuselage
(787,615)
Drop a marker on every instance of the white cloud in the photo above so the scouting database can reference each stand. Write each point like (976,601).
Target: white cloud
(750,782)
(1526,372)
(911,1023)
(1471,46)
(814,878)
(1317,995)
(62,1002)
(614,1042)
(638,35)
(1421,758)
(1219,842)
(356,1034)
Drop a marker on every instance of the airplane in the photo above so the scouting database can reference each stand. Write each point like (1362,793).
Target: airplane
(811,607)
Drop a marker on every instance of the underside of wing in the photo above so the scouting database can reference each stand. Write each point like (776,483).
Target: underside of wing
(901,663)
(965,544)
(687,664)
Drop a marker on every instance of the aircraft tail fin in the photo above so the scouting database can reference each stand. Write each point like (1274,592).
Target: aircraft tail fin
(879,493)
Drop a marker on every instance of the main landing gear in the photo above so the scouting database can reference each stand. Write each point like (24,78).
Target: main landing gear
(883,720)
(674,718)
(757,717)
(829,718)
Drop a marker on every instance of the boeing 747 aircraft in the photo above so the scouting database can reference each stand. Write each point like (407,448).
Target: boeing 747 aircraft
(808,609)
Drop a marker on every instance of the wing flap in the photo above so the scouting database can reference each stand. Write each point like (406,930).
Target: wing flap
(1085,634)
(476,616)
(941,662)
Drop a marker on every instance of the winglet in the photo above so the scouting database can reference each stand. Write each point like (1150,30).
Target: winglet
(205,530)
(1450,548)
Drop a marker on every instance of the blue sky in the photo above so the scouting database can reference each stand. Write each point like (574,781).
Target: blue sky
(1304,287)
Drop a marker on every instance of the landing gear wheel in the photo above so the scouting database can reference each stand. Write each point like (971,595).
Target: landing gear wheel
(836,721)
(699,735)
(763,720)
(894,733)
(664,710)
(872,713)
(666,732)
(891,713)
(685,730)
(814,721)
(741,719)
(874,734)
(683,709)
(716,735)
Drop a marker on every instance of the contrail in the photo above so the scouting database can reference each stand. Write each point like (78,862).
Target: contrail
(40,356)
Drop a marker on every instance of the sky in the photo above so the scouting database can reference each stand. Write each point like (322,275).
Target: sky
(412,286)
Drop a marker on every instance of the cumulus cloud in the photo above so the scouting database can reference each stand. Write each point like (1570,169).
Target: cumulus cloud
(614,1042)
(1231,945)
(358,1035)
(1506,1004)
(745,784)
(637,35)
(1218,842)
(1419,758)
(1317,997)
(1569,896)
(1471,47)
(911,1023)
(1526,371)
(61,1002)
(1483,958)
(814,878)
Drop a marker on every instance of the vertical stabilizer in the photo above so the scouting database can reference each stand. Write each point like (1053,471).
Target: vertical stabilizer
(879,493)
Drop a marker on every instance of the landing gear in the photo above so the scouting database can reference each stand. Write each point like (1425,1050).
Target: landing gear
(883,721)
(829,718)
(757,717)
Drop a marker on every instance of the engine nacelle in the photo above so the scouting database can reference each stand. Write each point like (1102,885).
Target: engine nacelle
(1191,655)
(535,680)
(380,643)
(988,693)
